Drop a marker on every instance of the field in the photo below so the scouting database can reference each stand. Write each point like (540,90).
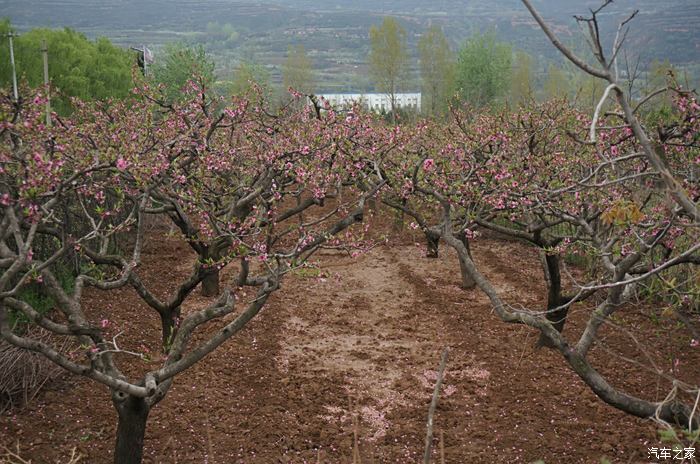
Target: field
(352,350)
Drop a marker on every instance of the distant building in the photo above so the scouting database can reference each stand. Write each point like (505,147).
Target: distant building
(377,102)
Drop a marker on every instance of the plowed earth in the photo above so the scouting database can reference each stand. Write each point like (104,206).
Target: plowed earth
(354,351)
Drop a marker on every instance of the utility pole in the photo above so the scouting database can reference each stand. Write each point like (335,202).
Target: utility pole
(45,54)
(10,35)
(145,64)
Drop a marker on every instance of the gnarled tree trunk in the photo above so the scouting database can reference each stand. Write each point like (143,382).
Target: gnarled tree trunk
(554,298)
(169,322)
(133,414)
(467,280)
(433,241)
(210,282)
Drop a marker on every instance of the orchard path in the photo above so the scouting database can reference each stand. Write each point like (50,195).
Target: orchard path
(362,340)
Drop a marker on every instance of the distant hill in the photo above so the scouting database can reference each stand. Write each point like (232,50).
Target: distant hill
(335,31)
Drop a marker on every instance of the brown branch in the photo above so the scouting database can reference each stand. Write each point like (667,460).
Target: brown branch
(433,406)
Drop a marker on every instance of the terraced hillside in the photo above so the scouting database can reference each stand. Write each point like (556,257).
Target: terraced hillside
(335,32)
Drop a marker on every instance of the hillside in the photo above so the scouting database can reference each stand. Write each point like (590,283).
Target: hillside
(335,32)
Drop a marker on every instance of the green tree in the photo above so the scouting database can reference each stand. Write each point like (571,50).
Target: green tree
(78,67)
(248,75)
(177,64)
(437,68)
(521,87)
(657,77)
(297,72)
(589,91)
(483,69)
(388,58)
(556,85)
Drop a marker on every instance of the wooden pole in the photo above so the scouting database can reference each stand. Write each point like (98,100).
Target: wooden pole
(45,54)
(433,406)
(14,69)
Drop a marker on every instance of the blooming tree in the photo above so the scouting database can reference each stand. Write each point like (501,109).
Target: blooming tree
(242,184)
(574,184)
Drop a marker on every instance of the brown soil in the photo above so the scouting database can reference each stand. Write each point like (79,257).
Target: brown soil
(363,340)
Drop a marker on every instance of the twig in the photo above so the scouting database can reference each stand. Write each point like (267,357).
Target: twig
(210,444)
(442,446)
(433,406)
(356,459)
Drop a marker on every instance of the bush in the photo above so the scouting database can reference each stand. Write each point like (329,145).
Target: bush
(25,373)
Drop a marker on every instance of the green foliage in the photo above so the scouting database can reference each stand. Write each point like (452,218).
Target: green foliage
(177,64)
(521,83)
(557,83)
(34,295)
(297,71)
(388,57)
(225,33)
(437,69)
(657,77)
(483,69)
(589,91)
(247,76)
(679,439)
(78,67)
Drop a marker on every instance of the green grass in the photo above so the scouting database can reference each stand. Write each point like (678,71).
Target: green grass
(34,295)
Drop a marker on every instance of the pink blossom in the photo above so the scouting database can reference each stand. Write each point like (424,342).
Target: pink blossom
(428,164)
(122,164)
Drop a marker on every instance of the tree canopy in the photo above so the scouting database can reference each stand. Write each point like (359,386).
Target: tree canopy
(78,67)
(483,69)
(177,64)
(297,70)
(437,70)
(249,75)
(388,57)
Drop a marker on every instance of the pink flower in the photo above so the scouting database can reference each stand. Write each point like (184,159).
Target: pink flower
(122,164)
(428,164)
(104,323)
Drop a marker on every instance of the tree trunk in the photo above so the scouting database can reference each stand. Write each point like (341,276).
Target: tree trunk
(210,283)
(169,323)
(554,298)
(433,241)
(467,281)
(371,204)
(400,216)
(133,414)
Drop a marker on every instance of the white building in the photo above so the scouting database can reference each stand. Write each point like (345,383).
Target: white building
(378,102)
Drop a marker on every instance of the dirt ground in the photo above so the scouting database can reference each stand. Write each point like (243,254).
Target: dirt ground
(360,343)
